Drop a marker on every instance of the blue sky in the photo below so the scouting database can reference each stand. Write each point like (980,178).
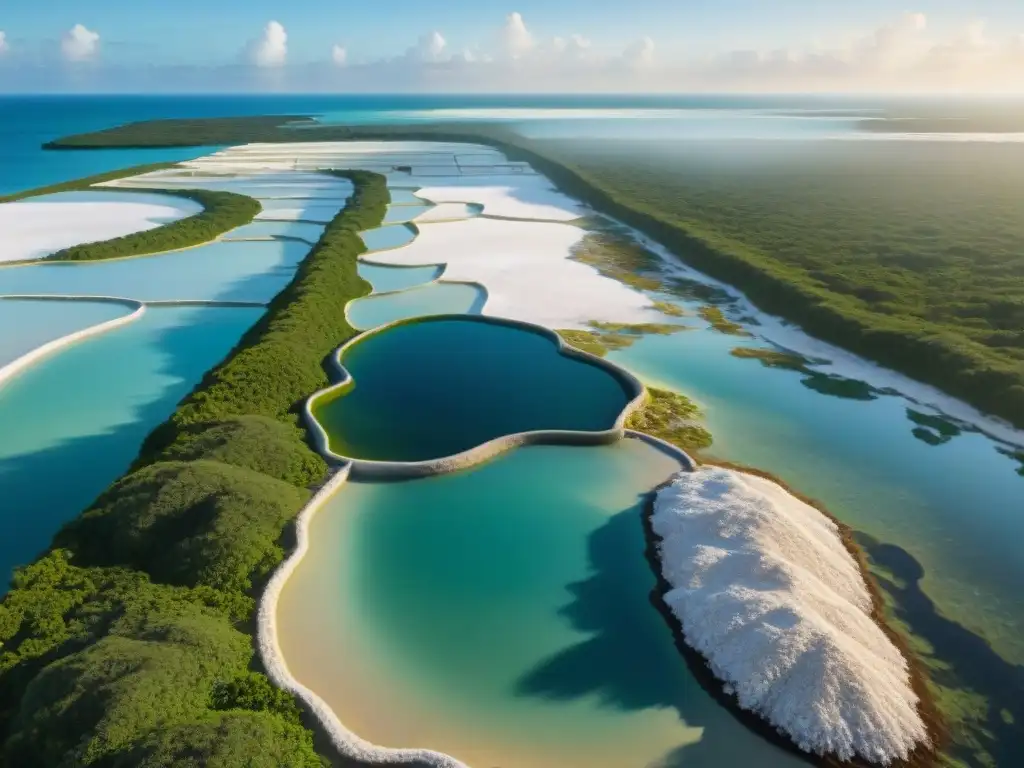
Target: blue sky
(574,44)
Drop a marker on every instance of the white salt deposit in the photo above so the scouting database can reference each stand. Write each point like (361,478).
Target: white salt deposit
(527,271)
(528,197)
(767,592)
(38,226)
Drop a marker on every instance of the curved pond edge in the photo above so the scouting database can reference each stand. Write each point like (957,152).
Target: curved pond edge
(434,281)
(365,468)
(348,744)
(926,755)
(29,359)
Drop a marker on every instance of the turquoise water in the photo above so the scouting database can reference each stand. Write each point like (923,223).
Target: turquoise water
(439,387)
(401,213)
(405,196)
(252,271)
(383,238)
(25,325)
(433,299)
(74,422)
(300,229)
(313,193)
(384,278)
(501,615)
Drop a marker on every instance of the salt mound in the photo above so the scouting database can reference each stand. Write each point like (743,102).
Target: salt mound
(767,592)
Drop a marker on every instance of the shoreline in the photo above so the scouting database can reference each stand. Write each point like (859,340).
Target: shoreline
(924,756)
(21,364)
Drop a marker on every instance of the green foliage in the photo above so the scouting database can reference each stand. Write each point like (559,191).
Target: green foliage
(772,358)
(124,646)
(671,417)
(259,443)
(719,322)
(188,523)
(254,692)
(225,740)
(221,212)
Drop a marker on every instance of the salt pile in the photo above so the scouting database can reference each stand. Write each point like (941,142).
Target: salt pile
(765,589)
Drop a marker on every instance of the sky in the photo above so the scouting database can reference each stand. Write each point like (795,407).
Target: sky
(526,46)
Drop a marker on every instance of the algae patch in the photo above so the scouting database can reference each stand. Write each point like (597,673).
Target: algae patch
(719,322)
(673,418)
(620,258)
(772,358)
(607,337)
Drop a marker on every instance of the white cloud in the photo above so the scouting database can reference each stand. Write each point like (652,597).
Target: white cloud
(79,43)
(516,40)
(429,48)
(270,50)
(640,53)
(4,47)
(339,55)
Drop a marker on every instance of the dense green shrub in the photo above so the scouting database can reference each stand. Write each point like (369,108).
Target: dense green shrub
(128,645)
(222,211)
(259,443)
(188,523)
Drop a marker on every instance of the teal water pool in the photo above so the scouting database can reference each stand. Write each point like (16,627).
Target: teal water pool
(74,422)
(25,325)
(437,387)
(501,615)
(383,238)
(407,196)
(434,299)
(225,271)
(385,278)
(398,214)
(300,229)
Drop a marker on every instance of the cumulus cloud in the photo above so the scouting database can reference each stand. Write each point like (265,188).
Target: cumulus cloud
(271,49)
(429,48)
(516,39)
(80,43)
(339,55)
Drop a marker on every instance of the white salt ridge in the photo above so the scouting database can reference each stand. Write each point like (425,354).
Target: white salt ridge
(769,595)
(527,270)
(40,226)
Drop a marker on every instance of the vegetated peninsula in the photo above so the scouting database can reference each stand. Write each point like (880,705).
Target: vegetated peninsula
(128,643)
(880,262)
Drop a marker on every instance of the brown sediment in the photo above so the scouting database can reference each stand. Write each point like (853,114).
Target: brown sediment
(925,755)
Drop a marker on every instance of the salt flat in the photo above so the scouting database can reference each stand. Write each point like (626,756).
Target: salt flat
(39,226)
(767,592)
(527,271)
(528,197)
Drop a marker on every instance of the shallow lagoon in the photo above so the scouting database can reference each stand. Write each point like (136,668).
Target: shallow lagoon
(300,229)
(224,271)
(398,214)
(435,388)
(384,238)
(74,422)
(25,325)
(501,615)
(433,299)
(385,279)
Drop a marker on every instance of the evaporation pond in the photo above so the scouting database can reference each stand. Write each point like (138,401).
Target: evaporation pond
(407,196)
(502,615)
(25,324)
(303,230)
(433,299)
(73,422)
(438,387)
(385,278)
(225,271)
(399,213)
(383,238)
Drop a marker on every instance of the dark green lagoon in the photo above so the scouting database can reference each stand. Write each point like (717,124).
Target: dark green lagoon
(437,387)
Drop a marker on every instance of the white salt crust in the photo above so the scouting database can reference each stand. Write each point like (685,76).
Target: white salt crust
(37,227)
(766,591)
